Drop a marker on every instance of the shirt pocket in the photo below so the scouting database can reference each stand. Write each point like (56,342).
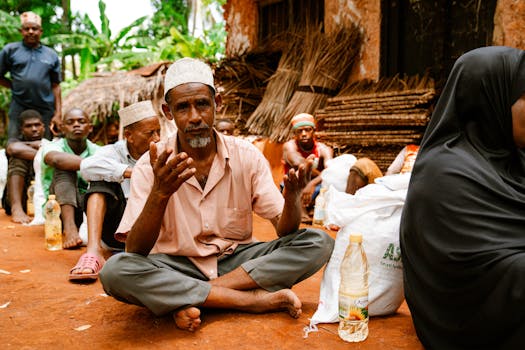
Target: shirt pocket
(235,223)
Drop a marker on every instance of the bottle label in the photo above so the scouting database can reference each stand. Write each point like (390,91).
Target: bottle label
(353,307)
(53,233)
(30,209)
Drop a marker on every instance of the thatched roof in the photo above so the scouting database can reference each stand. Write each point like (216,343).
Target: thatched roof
(101,96)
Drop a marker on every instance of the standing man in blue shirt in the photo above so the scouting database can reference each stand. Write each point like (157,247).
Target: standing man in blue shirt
(34,76)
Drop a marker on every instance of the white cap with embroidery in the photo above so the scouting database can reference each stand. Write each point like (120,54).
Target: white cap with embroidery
(188,70)
(30,17)
(136,112)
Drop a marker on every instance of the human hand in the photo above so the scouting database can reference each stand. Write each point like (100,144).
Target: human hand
(34,144)
(56,124)
(169,174)
(128,172)
(306,196)
(296,180)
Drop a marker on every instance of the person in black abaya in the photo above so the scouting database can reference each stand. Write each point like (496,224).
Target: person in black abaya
(462,229)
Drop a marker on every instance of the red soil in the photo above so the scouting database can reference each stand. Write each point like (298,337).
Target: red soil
(40,309)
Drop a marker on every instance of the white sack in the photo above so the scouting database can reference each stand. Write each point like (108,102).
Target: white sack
(336,171)
(374,211)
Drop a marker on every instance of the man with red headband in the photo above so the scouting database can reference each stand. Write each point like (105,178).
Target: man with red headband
(295,152)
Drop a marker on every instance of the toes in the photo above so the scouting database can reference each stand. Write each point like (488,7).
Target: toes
(72,243)
(188,319)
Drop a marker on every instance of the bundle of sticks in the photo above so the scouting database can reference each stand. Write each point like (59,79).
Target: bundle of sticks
(377,119)
(280,88)
(328,60)
(241,80)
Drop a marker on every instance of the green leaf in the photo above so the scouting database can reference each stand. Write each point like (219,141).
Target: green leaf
(104,21)
(124,31)
(87,65)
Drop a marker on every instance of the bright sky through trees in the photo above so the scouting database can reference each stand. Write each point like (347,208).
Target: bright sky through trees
(119,12)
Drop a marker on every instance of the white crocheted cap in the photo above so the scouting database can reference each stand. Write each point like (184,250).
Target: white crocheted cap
(187,70)
(136,112)
(30,17)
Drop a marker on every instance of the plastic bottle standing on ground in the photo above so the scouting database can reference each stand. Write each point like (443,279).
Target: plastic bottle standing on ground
(30,193)
(53,224)
(353,292)
(319,208)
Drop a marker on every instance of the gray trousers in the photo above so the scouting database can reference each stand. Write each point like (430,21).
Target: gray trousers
(165,283)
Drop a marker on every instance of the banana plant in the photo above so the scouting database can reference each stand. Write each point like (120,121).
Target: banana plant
(9,28)
(94,46)
(179,45)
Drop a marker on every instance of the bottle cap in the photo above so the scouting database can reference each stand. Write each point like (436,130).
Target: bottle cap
(356,238)
(51,196)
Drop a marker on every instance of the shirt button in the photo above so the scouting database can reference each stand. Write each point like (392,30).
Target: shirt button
(206,226)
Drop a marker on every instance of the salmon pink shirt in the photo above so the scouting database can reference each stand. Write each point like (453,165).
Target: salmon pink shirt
(205,224)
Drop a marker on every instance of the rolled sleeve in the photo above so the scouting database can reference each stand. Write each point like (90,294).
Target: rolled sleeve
(100,168)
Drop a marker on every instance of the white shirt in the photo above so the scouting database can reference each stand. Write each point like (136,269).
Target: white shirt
(109,164)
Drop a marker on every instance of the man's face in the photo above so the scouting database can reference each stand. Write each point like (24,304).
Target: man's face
(31,33)
(141,134)
(304,135)
(76,125)
(192,107)
(32,129)
(225,128)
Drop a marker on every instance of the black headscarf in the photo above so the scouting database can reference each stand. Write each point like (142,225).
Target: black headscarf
(463,225)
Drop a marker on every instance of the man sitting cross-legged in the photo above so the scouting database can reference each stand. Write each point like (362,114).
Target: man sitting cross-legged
(21,152)
(109,171)
(60,171)
(189,218)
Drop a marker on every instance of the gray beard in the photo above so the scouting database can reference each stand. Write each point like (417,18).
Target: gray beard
(199,142)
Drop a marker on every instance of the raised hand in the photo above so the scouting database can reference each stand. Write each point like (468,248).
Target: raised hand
(296,180)
(169,174)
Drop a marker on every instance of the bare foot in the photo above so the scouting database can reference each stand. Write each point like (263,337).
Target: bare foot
(283,299)
(188,319)
(72,240)
(20,217)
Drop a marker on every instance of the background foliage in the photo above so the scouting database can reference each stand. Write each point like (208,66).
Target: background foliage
(85,49)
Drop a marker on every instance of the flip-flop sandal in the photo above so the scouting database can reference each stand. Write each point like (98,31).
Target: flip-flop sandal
(86,261)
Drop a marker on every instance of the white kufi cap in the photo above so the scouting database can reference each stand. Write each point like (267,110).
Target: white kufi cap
(187,70)
(136,112)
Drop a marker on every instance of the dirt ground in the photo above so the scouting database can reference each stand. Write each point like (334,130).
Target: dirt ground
(40,309)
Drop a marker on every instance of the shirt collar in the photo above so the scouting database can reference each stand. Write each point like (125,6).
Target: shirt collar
(30,47)
(125,152)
